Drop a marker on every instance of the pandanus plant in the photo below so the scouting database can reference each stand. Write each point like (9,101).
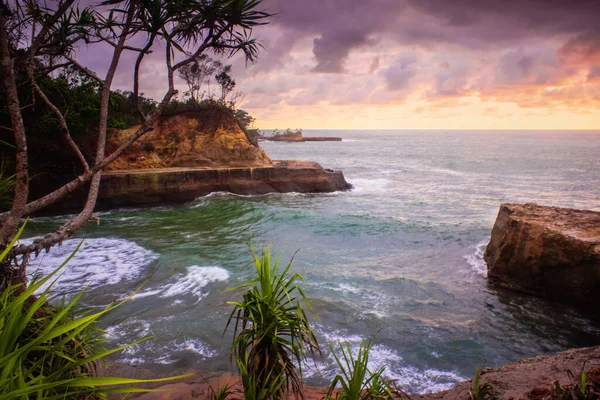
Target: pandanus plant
(50,352)
(271,334)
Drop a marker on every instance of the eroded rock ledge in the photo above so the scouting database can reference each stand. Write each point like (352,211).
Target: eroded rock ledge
(548,251)
(529,378)
(135,188)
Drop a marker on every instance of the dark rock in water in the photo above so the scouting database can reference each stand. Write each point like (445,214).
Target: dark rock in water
(168,186)
(179,185)
(548,251)
(322,139)
(297,137)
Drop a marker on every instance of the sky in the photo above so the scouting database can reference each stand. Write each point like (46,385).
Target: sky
(417,64)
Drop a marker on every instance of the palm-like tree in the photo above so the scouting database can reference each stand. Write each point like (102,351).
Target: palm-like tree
(272,333)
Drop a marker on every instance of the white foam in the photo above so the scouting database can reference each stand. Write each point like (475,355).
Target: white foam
(407,377)
(199,202)
(195,346)
(446,171)
(99,262)
(131,327)
(149,352)
(476,261)
(367,185)
(192,283)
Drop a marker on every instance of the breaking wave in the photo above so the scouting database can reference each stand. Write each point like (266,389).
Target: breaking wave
(99,262)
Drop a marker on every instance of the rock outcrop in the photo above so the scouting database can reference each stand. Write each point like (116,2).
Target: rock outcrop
(208,137)
(192,154)
(179,185)
(548,251)
(531,378)
(297,137)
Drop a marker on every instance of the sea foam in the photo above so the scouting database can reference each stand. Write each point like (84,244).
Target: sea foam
(99,262)
(192,283)
(476,261)
(407,377)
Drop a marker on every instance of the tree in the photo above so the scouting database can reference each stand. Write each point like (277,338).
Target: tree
(42,38)
(197,73)
(226,82)
(244,119)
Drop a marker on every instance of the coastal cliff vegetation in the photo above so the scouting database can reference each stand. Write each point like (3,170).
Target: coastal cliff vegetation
(39,41)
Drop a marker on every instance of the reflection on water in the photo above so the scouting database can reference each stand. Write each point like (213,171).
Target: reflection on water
(401,253)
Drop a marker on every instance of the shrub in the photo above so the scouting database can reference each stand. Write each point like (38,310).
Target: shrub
(477,391)
(356,381)
(271,332)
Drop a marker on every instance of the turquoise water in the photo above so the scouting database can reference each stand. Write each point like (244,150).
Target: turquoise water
(399,254)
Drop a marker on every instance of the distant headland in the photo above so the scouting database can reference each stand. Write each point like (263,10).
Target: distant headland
(296,136)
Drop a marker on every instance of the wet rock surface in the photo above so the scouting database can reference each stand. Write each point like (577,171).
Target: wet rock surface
(179,185)
(547,251)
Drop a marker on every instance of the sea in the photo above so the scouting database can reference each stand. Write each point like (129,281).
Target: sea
(397,259)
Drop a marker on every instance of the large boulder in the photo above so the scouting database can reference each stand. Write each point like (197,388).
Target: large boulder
(209,137)
(547,251)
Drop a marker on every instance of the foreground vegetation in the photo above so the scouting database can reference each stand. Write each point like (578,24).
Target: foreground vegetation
(51,351)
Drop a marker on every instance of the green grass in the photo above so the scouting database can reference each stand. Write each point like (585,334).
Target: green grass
(271,333)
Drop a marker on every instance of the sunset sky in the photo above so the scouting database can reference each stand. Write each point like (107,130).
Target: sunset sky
(420,64)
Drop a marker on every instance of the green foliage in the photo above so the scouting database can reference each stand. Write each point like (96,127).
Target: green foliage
(50,352)
(78,98)
(356,381)
(271,331)
(176,107)
(477,391)
(226,82)
(221,393)
(7,183)
(287,132)
(583,389)
(244,119)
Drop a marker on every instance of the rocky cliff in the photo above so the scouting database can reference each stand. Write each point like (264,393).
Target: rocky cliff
(193,154)
(179,185)
(208,137)
(548,251)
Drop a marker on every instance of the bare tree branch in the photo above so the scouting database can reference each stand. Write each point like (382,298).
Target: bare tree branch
(136,76)
(136,49)
(61,120)
(83,69)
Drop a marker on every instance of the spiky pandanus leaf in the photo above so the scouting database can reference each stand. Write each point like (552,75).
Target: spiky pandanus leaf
(271,332)
(49,352)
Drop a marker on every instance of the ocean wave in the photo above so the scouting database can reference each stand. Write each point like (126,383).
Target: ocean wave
(409,378)
(192,283)
(200,201)
(370,185)
(149,352)
(476,261)
(99,262)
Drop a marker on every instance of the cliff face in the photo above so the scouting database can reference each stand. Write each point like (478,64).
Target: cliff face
(548,251)
(206,138)
(180,185)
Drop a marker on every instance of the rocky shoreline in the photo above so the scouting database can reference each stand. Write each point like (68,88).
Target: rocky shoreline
(529,378)
(178,185)
(547,251)
(141,188)
(299,139)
